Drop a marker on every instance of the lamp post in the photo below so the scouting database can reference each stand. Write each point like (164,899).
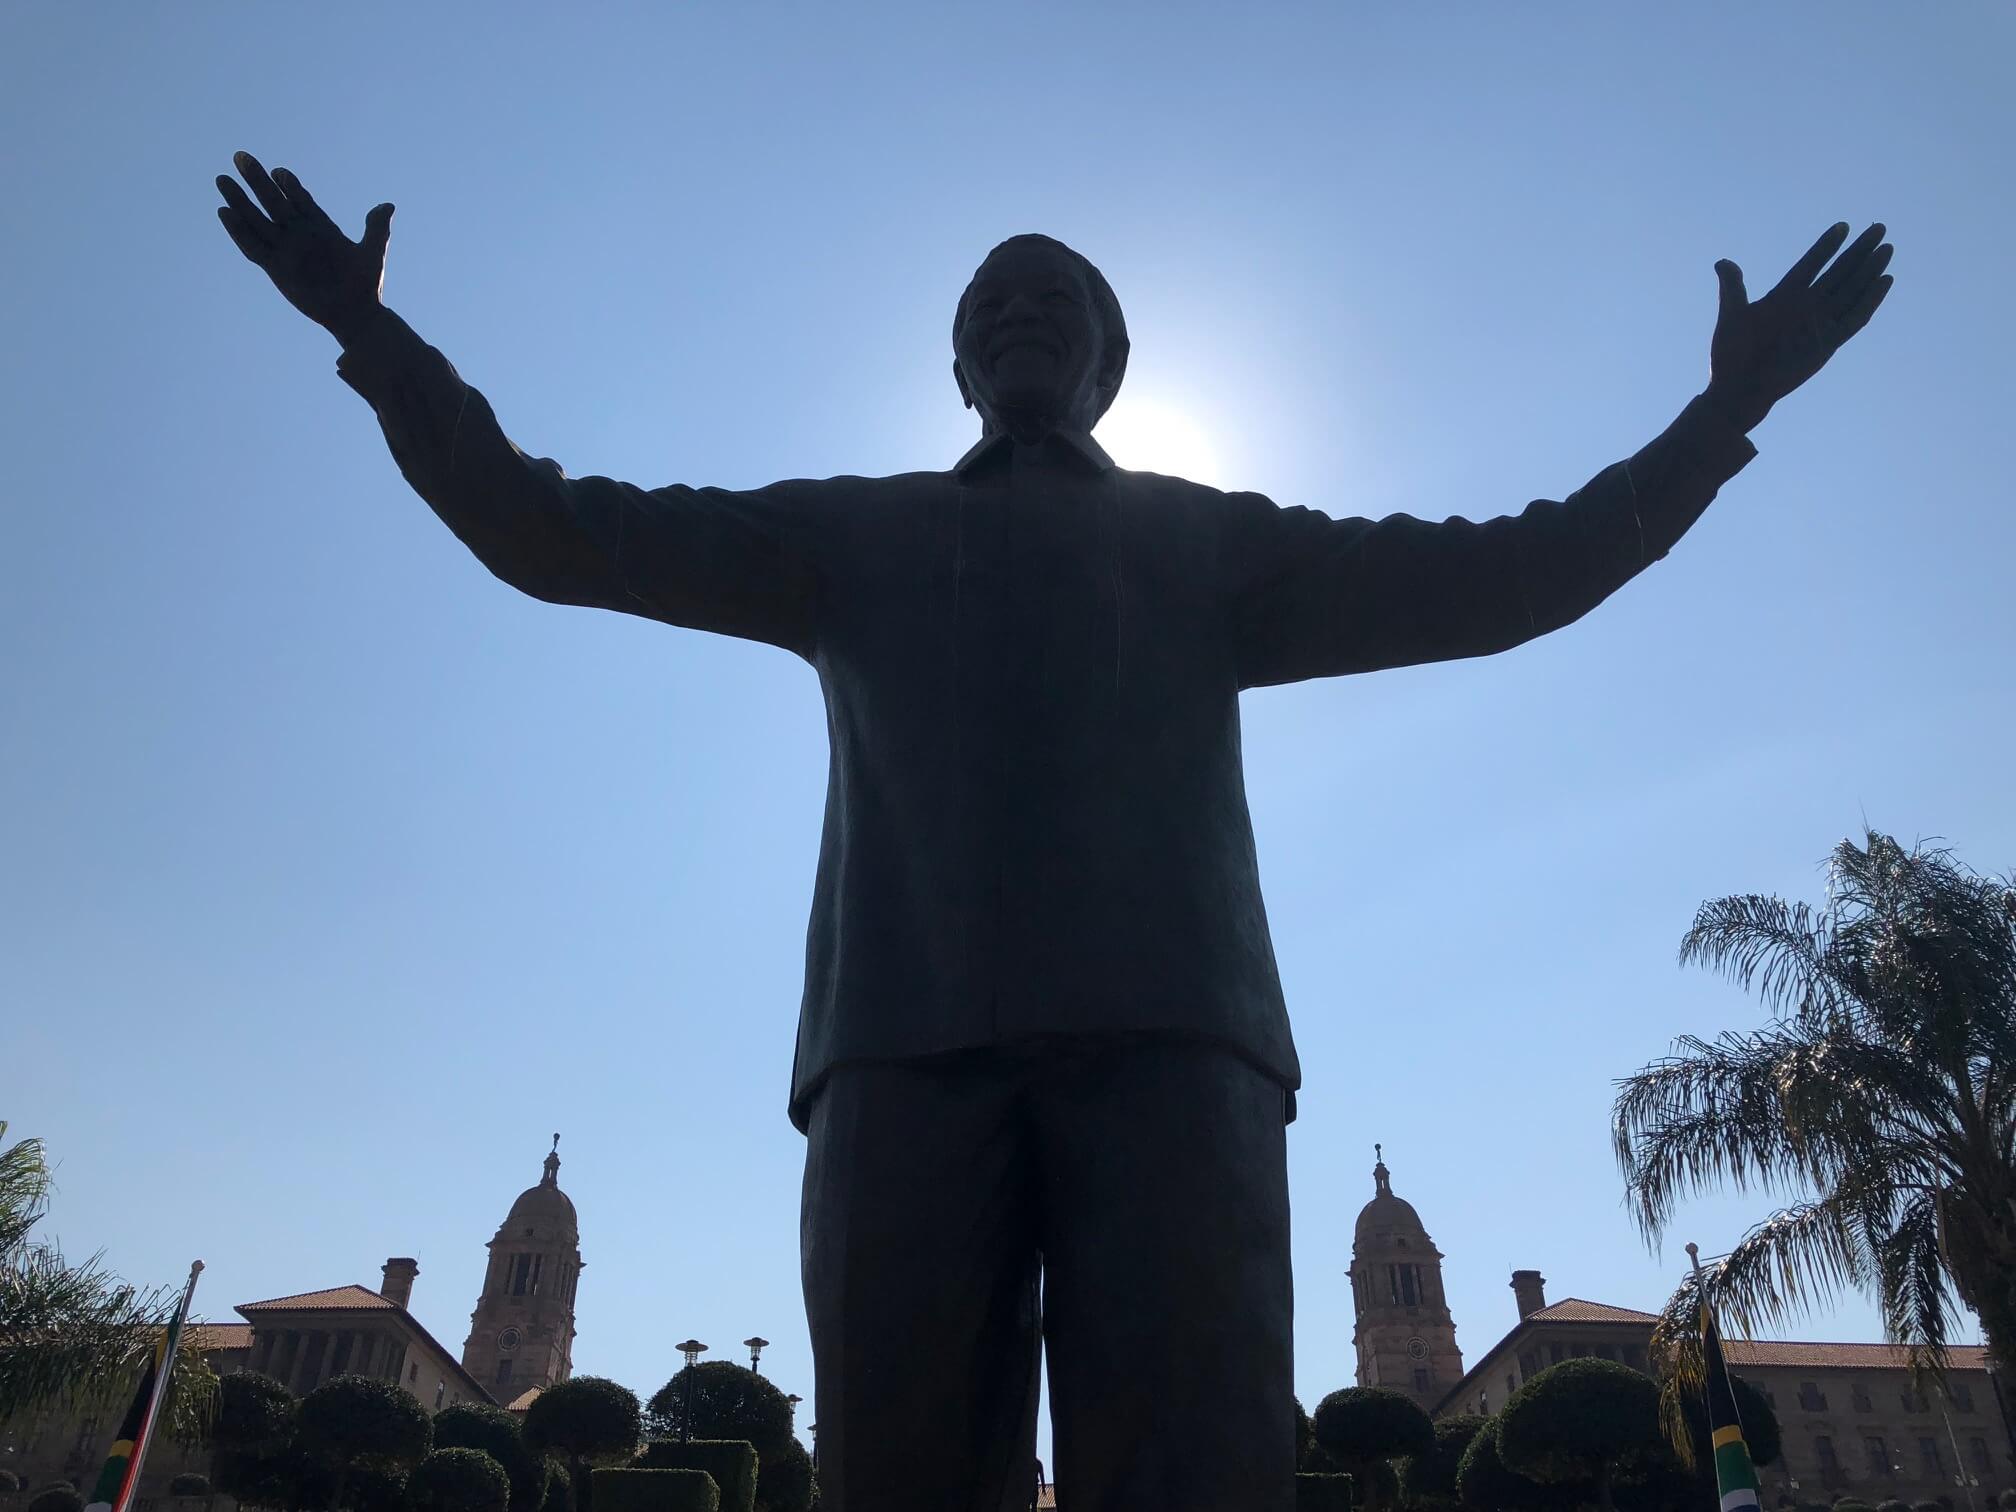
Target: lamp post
(815,1446)
(756,1347)
(692,1349)
(794,1399)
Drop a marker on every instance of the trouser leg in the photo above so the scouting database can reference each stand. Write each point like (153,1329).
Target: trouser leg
(919,1261)
(1167,1294)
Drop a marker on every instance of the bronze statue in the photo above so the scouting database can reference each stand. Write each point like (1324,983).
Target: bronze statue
(1043,1060)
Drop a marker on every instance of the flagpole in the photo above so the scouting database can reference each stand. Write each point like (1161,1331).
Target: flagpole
(169,1343)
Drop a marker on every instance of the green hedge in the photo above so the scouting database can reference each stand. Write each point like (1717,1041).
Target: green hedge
(1322,1493)
(732,1463)
(655,1491)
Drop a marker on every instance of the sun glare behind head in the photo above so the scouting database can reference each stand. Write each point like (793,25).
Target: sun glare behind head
(1148,435)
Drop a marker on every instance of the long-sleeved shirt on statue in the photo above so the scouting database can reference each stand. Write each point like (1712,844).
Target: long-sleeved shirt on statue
(1036,819)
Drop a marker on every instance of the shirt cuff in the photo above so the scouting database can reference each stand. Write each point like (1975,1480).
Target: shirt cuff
(381,354)
(1674,478)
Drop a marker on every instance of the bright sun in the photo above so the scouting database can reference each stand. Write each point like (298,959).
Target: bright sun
(1151,436)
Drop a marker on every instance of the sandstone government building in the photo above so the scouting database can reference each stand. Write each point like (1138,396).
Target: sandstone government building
(1850,1415)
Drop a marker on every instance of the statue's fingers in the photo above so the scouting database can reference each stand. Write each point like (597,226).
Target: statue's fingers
(1848,267)
(1864,307)
(260,182)
(1803,271)
(1844,296)
(240,203)
(302,200)
(248,241)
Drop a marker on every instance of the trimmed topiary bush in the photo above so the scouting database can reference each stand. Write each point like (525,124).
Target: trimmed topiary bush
(785,1481)
(1582,1420)
(588,1420)
(189,1483)
(9,1482)
(1850,1504)
(57,1499)
(458,1480)
(1428,1481)
(1363,1427)
(1926,1506)
(475,1425)
(1893,1505)
(656,1491)
(732,1463)
(1322,1493)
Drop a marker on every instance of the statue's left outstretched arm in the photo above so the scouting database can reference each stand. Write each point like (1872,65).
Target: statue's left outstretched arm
(1310,596)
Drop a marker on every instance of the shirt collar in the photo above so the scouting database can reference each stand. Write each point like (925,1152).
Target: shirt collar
(1075,447)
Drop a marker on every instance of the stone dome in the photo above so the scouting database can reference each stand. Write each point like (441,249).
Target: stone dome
(543,1206)
(1386,1213)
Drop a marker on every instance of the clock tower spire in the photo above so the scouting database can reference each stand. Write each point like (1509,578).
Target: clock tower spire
(521,1335)
(1405,1338)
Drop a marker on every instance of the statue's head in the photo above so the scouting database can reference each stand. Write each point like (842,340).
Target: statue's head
(1038,340)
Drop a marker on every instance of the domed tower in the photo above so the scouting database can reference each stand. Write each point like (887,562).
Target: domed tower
(522,1332)
(1405,1337)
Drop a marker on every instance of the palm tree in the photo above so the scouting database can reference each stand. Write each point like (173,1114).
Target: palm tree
(74,1338)
(1880,1103)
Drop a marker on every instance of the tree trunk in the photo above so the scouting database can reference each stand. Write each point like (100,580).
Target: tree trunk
(1603,1498)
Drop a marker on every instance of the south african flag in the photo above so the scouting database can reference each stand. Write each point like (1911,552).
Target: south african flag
(121,1475)
(1735,1476)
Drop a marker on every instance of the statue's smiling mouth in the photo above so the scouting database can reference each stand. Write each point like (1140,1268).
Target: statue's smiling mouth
(1027,342)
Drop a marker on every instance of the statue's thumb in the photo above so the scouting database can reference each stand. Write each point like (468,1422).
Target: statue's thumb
(1731,279)
(378,228)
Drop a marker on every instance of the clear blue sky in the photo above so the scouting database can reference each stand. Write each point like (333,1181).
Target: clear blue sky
(336,875)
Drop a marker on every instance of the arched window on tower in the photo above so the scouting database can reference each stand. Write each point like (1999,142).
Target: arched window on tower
(521,1271)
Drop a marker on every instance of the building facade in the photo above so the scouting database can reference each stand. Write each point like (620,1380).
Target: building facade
(304,1339)
(1850,1417)
(1405,1338)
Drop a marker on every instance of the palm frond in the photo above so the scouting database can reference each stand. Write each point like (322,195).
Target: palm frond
(24,1190)
(1782,950)
(1911,1283)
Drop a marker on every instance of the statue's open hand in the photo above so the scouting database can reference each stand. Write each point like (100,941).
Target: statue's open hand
(331,279)
(1765,349)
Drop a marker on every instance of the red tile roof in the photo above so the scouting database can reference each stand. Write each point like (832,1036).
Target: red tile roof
(1842,1356)
(210,1337)
(1575,1310)
(334,1299)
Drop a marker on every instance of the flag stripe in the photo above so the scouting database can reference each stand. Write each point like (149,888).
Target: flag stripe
(117,1482)
(1735,1475)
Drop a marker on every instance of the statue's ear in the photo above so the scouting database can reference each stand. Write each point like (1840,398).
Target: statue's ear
(959,377)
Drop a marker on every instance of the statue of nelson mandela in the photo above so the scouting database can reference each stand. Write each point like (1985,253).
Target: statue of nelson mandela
(1043,1062)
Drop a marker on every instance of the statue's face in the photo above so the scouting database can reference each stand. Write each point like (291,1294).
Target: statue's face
(1030,354)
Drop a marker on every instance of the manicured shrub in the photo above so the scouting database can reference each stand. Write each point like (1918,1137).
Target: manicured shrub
(1850,1504)
(1363,1427)
(476,1425)
(1322,1493)
(1428,1481)
(189,1483)
(458,1480)
(57,1499)
(1582,1420)
(656,1491)
(732,1463)
(255,1413)
(588,1420)
(1893,1505)
(354,1422)
(9,1482)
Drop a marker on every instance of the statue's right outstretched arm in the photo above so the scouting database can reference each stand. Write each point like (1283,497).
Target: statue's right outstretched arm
(738,563)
